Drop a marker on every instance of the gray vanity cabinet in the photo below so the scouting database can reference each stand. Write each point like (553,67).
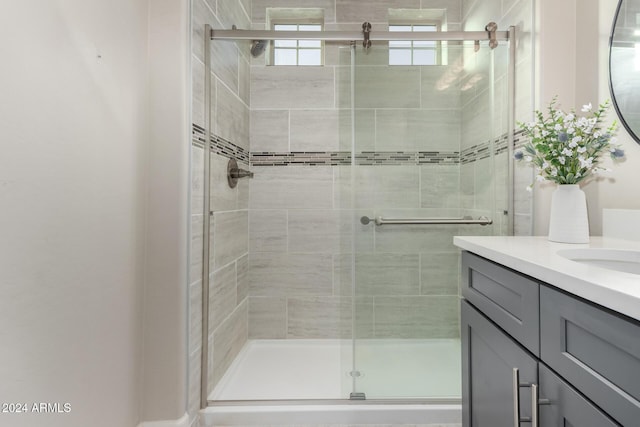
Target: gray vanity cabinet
(581,361)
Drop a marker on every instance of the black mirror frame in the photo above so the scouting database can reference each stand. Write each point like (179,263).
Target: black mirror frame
(631,132)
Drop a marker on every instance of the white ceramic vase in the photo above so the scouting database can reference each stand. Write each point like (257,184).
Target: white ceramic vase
(569,222)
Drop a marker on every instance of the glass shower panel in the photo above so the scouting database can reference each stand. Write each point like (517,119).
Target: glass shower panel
(427,142)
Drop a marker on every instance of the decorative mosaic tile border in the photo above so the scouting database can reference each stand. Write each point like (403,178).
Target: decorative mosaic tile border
(326,158)
(219,145)
(368,158)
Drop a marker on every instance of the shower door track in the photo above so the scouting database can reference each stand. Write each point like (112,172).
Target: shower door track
(348,36)
(346,401)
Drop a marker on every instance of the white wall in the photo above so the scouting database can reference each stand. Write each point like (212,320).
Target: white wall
(74,171)
(573,64)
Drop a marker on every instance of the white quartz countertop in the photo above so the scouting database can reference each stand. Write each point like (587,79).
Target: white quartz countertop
(537,257)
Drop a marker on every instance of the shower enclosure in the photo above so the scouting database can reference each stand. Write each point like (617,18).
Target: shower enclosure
(364,170)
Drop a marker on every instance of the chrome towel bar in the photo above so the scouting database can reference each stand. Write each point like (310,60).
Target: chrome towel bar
(483,220)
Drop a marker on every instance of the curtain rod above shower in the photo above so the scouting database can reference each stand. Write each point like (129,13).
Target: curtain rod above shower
(357,35)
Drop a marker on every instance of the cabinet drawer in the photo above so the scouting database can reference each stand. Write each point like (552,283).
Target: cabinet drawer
(509,299)
(566,406)
(595,350)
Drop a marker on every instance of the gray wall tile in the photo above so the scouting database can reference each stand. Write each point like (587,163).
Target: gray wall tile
(314,130)
(233,120)
(280,275)
(222,197)
(232,13)
(417,130)
(380,274)
(440,88)
(197,91)
(401,88)
(197,180)
(319,317)
(376,10)
(267,318)
(231,236)
(270,131)
(222,295)
(197,228)
(268,230)
(318,231)
(259,7)
(439,273)
(440,186)
(417,317)
(242,270)
(228,340)
(292,87)
(301,187)
(195,316)
(224,63)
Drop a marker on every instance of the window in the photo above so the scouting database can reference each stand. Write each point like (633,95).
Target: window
(297,52)
(413,52)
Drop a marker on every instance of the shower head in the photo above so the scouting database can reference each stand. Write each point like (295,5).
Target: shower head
(258,47)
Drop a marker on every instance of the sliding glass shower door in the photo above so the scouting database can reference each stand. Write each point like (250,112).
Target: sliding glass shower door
(428,132)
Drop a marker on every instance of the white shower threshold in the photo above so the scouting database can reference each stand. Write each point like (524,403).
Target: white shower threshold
(300,371)
(320,369)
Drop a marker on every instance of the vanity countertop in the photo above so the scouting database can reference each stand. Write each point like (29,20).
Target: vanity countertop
(537,257)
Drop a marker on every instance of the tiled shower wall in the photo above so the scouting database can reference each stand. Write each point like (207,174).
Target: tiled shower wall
(228,261)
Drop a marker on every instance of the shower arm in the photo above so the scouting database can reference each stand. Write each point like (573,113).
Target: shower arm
(483,220)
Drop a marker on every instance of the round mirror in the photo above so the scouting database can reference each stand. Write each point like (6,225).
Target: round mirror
(624,65)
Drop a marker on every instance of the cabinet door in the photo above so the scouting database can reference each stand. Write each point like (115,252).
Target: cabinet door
(489,357)
(566,407)
(596,351)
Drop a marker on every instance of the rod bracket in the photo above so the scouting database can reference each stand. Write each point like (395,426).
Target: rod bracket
(366,32)
(491,29)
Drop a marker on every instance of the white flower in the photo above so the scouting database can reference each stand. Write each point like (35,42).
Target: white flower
(596,134)
(586,163)
(582,150)
(540,178)
(569,117)
(567,152)
(557,127)
(528,158)
(545,165)
(561,160)
(545,133)
(554,172)
(571,131)
(587,108)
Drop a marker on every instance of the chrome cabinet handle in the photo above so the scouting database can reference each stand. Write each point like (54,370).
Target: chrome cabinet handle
(535,401)
(516,397)
(535,405)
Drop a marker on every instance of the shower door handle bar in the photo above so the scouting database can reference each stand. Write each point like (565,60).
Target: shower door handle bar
(483,220)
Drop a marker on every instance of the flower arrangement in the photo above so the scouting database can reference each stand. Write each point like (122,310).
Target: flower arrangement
(565,148)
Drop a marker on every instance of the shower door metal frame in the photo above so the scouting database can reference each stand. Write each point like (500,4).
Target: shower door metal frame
(351,37)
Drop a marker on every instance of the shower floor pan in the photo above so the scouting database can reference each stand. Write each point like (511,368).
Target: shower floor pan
(304,373)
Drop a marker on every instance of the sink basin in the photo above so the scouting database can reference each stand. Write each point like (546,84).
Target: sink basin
(624,260)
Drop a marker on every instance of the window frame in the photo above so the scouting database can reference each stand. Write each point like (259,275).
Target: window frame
(297,22)
(437,47)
